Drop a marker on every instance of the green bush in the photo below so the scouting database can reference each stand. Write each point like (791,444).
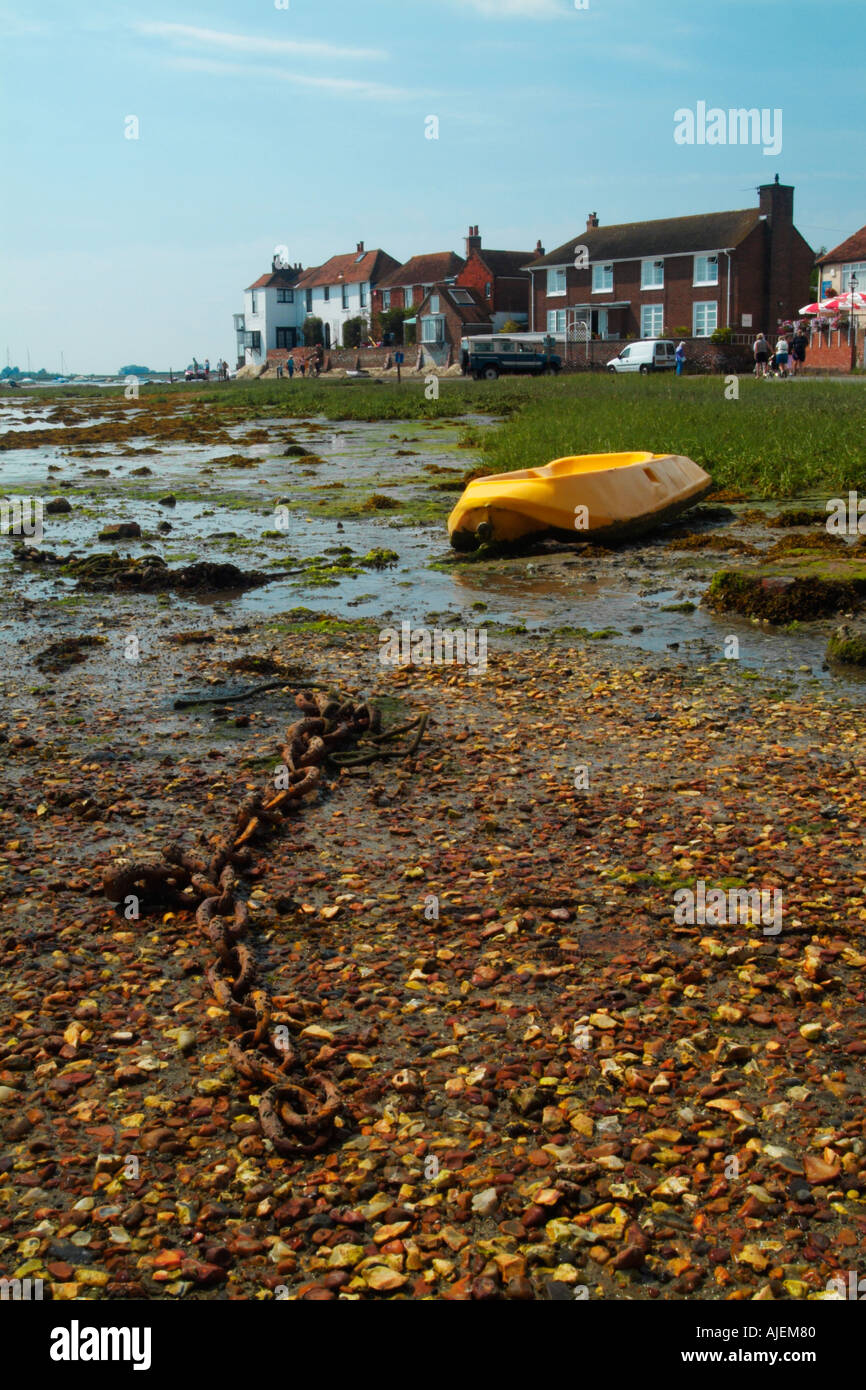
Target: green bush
(314,331)
(722,335)
(355,331)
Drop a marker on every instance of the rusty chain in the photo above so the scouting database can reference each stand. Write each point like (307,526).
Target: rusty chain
(298,1109)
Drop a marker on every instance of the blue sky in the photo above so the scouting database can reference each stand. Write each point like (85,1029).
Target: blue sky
(305,126)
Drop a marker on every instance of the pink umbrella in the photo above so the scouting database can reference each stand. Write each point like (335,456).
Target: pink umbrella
(810,309)
(841,302)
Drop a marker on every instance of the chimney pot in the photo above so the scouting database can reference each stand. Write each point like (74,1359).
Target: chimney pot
(360,247)
(591,221)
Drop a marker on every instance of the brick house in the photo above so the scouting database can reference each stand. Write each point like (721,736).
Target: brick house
(501,278)
(342,289)
(406,286)
(445,315)
(676,276)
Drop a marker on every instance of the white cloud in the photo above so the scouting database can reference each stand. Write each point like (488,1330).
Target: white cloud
(190,35)
(338,86)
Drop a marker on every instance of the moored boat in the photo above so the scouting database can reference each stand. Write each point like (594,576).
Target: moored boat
(597,496)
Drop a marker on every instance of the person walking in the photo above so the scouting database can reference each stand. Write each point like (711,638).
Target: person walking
(761,350)
(303,366)
(680,356)
(781,359)
(207,369)
(290,366)
(279,370)
(799,344)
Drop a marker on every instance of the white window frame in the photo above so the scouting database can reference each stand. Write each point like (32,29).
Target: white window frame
(433,328)
(285,296)
(363,294)
(652,275)
(556,320)
(709,268)
(601,270)
(701,309)
(433,306)
(386,299)
(656,311)
(556,281)
(253,309)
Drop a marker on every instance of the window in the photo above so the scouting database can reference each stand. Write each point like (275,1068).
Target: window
(706,270)
(253,307)
(651,320)
(488,290)
(652,275)
(705,318)
(556,279)
(285,296)
(434,304)
(556,320)
(432,330)
(461,296)
(253,339)
(286,337)
(327,293)
(363,296)
(386,299)
(309,301)
(602,279)
(625,353)
(345,294)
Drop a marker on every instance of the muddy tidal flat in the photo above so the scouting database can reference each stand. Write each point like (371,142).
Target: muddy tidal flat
(551,1067)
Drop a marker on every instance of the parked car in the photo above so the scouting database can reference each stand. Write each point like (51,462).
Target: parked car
(646,355)
(490,357)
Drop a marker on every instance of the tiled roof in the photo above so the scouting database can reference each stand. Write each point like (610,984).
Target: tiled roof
(669,236)
(276,280)
(424,270)
(351,269)
(505,262)
(476,311)
(854,249)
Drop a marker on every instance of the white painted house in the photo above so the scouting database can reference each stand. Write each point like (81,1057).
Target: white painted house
(342,289)
(273,313)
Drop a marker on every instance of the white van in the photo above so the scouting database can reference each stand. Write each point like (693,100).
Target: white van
(646,355)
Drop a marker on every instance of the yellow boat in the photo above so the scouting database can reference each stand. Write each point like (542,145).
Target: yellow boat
(602,496)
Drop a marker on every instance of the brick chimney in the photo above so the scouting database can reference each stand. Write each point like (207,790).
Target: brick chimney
(591,221)
(539,249)
(781,293)
(360,247)
(473,242)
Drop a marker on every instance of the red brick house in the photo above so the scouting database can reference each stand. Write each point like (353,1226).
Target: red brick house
(501,278)
(406,285)
(677,276)
(445,315)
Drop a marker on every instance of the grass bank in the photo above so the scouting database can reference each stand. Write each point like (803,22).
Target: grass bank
(779,439)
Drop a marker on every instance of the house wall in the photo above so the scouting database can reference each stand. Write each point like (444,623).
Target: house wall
(270,315)
(509,295)
(677,296)
(330,310)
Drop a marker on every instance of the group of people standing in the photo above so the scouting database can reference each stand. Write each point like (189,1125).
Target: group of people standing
(786,360)
(315,364)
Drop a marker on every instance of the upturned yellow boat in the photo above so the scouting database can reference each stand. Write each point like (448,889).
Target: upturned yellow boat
(605,496)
